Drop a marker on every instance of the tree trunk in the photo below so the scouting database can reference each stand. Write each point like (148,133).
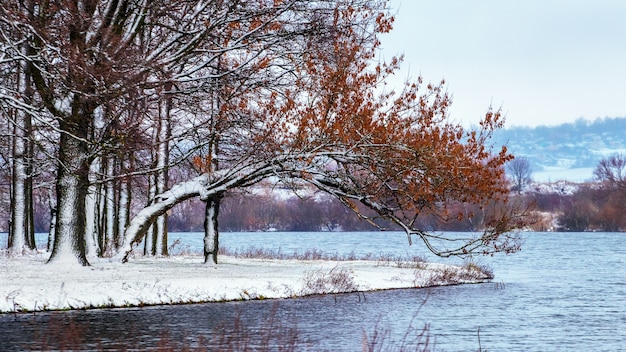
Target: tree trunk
(162,176)
(123,211)
(30,210)
(99,214)
(72,185)
(140,224)
(53,221)
(21,233)
(92,211)
(211,231)
(148,244)
(17,230)
(109,207)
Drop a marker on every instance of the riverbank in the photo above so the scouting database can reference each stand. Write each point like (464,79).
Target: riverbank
(28,284)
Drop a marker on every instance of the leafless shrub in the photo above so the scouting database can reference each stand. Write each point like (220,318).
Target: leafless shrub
(178,248)
(446,276)
(480,270)
(336,280)
(251,252)
(454,275)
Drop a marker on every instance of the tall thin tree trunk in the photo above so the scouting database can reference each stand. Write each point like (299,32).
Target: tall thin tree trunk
(30,209)
(109,207)
(123,210)
(148,248)
(21,192)
(100,234)
(162,176)
(28,184)
(17,231)
(211,230)
(92,211)
(90,222)
(53,221)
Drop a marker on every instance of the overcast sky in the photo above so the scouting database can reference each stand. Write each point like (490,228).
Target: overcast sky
(545,62)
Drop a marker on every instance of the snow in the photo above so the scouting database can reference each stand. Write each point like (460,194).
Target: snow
(549,175)
(27,283)
(559,187)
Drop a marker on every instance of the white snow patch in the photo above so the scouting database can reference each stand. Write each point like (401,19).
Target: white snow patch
(550,175)
(609,151)
(559,187)
(29,284)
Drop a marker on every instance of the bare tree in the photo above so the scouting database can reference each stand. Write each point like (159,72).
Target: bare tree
(612,171)
(520,171)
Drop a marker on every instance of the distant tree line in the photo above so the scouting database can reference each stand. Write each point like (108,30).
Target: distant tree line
(242,211)
(595,206)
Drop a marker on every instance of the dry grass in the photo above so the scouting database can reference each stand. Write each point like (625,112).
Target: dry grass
(336,280)
(383,259)
(470,272)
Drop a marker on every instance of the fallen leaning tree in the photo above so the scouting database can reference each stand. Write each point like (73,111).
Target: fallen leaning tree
(394,181)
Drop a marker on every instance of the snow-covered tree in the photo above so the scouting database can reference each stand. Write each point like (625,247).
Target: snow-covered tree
(15,111)
(91,59)
(239,141)
(332,127)
(240,91)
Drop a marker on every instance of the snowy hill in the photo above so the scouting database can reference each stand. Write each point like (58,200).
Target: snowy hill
(568,151)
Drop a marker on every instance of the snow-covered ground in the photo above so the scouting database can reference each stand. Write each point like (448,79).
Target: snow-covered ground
(550,175)
(558,187)
(28,284)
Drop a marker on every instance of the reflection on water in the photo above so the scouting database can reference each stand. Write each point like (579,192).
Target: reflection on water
(315,323)
(562,292)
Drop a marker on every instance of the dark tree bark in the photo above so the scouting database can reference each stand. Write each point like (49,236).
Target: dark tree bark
(211,228)
(72,184)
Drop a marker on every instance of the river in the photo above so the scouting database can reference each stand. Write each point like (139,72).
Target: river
(563,291)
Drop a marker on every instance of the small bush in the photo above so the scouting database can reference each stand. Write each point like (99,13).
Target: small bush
(336,280)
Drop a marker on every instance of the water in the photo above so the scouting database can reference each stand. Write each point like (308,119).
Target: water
(564,291)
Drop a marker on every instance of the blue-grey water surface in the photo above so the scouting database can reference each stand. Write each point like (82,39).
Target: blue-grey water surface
(562,292)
